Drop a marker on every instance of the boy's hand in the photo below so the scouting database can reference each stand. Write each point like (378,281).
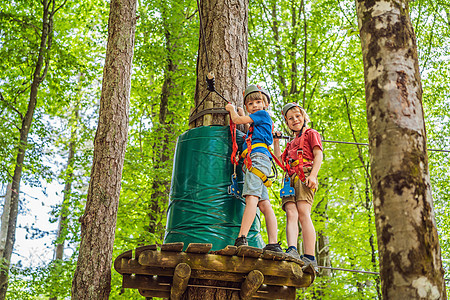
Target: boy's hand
(277,135)
(240,111)
(312,182)
(229,107)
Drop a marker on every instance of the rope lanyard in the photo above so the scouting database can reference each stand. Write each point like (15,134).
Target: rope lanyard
(234,154)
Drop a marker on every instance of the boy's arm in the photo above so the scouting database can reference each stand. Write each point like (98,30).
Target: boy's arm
(312,181)
(237,119)
(276,146)
(241,112)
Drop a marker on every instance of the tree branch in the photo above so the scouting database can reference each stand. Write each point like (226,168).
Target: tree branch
(11,107)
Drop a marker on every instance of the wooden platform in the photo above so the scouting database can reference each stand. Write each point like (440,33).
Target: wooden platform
(167,271)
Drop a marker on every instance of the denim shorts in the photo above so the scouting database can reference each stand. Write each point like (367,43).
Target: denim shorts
(253,185)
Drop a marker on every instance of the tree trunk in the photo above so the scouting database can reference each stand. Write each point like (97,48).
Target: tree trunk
(5,219)
(44,48)
(92,278)
(410,258)
(226,30)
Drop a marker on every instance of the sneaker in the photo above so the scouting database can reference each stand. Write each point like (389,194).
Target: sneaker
(292,252)
(241,241)
(273,247)
(308,261)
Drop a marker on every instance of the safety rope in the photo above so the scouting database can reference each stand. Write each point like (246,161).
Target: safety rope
(349,270)
(234,155)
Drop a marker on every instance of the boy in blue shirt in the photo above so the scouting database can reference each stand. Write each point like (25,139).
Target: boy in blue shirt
(257,163)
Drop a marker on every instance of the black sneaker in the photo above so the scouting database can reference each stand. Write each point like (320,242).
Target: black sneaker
(241,241)
(273,247)
(292,252)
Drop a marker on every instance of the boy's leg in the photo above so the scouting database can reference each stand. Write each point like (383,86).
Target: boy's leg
(291,223)
(271,220)
(308,231)
(251,202)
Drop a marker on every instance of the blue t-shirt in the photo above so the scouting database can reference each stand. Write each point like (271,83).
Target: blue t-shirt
(262,131)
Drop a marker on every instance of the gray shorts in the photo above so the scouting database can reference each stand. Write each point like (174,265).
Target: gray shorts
(253,185)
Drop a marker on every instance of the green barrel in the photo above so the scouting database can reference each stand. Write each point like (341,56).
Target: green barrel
(200,208)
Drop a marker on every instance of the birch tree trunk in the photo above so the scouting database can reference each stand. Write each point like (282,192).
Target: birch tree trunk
(40,71)
(92,278)
(409,252)
(226,30)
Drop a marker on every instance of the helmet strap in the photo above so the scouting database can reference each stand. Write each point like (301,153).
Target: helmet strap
(301,130)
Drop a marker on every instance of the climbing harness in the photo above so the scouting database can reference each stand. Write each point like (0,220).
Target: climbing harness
(248,162)
(296,165)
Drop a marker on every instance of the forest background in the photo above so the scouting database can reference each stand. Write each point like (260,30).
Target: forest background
(308,52)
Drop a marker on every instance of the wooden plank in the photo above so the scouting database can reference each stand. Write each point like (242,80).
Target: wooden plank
(198,248)
(175,247)
(219,263)
(309,269)
(122,260)
(251,284)
(154,283)
(139,250)
(249,251)
(133,267)
(180,281)
(272,255)
(228,250)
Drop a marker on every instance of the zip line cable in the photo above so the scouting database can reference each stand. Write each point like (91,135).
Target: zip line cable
(349,270)
(365,144)
(353,143)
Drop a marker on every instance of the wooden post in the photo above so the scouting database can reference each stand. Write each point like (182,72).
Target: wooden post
(180,280)
(251,284)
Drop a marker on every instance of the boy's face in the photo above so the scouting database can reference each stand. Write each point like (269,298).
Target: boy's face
(255,105)
(295,119)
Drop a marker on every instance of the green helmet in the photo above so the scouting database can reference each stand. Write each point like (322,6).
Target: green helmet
(288,106)
(255,88)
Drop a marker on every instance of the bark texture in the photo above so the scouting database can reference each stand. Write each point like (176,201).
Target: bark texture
(40,71)
(92,279)
(226,35)
(409,252)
